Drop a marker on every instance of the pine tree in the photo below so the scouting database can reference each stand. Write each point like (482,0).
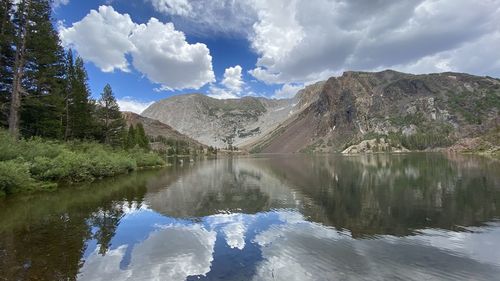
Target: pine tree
(45,75)
(7,53)
(80,107)
(110,117)
(131,137)
(141,138)
(36,103)
(21,25)
(68,96)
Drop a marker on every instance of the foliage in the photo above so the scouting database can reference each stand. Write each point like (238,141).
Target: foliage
(421,140)
(78,108)
(7,53)
(42,72)
(474,106)
(145,159)
(136,137)
(110,117)
(180,147)
(26,164)
(140,137)
(415,119)
(14,177)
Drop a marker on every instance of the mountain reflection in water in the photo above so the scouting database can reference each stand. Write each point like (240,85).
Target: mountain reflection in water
(280,217)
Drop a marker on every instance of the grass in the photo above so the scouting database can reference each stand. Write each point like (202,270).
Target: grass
(35,164)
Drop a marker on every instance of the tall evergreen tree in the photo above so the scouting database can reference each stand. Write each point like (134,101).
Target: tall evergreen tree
(131,139)
(7,53)
(141,138)
(68,97)
(36,102)
(43,106)
(110,118)
(21,25)
(80,107)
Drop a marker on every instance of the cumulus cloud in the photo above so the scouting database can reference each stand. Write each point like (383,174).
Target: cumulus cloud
(172,7)
(232,79)
(308,41)
(298,41)
(165,57)
(287,91)
(102,37)
(203,18)
(105,37)
(133,105)
(231,85)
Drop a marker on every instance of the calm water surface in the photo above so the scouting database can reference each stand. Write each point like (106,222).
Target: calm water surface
(294,217)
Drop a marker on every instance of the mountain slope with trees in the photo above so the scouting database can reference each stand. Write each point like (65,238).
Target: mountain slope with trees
(417,112)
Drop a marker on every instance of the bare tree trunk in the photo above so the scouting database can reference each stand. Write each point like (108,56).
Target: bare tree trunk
(20,59)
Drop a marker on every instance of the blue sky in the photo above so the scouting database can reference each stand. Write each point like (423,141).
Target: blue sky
(152,49)
(227,50)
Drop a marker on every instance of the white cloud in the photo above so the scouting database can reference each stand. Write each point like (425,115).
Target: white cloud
(58,3)
(130,104)
(232,79)
(164,55)
(101,37)
(475,57)
(299,42)
(220,93)
(172,7)
(288,91)
(158,51)
(231,85)
(204,18)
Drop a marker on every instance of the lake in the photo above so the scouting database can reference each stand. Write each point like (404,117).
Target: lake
(418,216)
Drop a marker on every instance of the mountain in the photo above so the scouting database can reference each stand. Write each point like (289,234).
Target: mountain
(414,111)
(156,128)
(399,110)
(221,123)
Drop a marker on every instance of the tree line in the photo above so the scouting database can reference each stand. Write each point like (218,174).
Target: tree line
(44,89)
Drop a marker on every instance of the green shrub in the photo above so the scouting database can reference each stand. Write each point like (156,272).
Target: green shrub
(67,166)
(26,164)
(108,163)
(14,177)
(146,159)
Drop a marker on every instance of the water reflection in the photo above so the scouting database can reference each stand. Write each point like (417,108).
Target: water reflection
(296,217)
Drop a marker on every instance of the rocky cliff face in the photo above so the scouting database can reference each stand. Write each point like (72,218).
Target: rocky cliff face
(221,123)
(416,112)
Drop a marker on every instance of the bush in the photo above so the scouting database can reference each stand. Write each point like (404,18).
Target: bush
(26,164)
(105,163)
(67,166)
(146,159)
(14,177)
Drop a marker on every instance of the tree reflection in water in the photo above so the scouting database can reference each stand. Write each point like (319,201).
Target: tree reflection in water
(280,217)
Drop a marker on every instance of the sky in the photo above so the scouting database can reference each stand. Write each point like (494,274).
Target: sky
(148,50)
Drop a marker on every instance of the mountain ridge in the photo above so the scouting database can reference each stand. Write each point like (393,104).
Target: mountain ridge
(421,111)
